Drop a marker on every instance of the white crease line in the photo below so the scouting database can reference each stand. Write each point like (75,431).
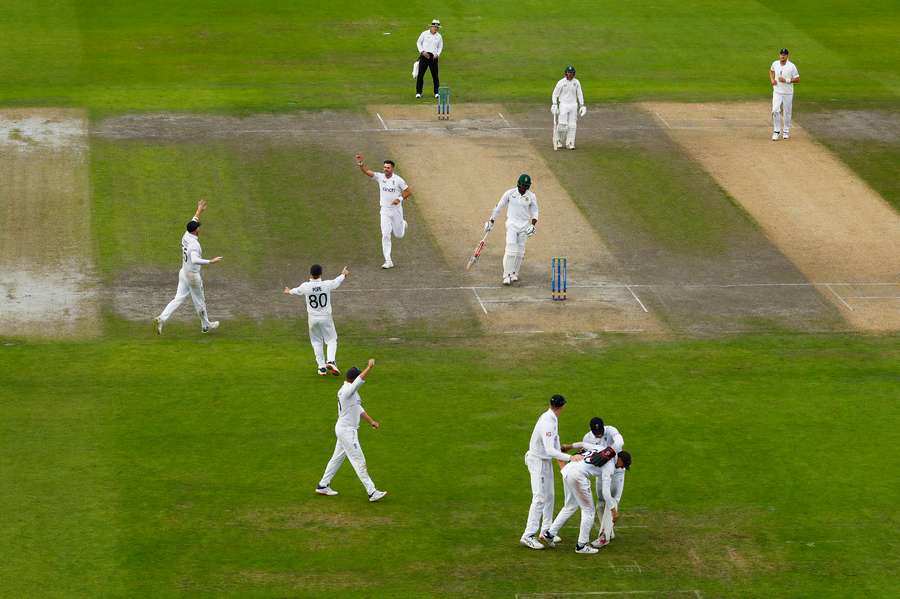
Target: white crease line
(664,122)
(619,286)
(503,118)
(888,297)
(837,295)
(383,124)
(634,295)
(696,593)
(481,303)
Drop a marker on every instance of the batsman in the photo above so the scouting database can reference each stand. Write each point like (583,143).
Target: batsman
(567,104)
(521,218)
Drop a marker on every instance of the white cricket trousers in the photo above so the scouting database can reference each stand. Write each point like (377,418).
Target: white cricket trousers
(568,116)
(189,284)
(540,514)
(782,104)
(322,334)
(347,446)
(578,495)
(515,250)
(391,223)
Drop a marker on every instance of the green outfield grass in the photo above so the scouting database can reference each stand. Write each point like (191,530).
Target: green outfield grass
(186,466)
(248,56)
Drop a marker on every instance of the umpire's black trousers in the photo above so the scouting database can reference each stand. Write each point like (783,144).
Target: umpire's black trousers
(428,63)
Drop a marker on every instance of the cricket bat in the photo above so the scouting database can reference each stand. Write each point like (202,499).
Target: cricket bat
(477,252)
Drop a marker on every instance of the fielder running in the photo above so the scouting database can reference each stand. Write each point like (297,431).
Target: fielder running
(393,191)
(318,309)
(568,95)
(349,412)
(189,281)
(783,74)
(521,218)
(542,450)
(600,462)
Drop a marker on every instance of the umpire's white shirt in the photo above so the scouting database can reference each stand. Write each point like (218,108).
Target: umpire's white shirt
(544,444)
(521,209)
(350,404)
(430,42)
(318,296)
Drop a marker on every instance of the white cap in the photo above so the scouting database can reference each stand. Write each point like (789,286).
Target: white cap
(436,22)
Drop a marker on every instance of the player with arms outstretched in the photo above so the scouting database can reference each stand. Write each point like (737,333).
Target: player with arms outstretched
(318,309)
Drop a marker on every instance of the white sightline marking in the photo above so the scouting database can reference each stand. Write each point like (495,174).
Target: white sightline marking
(664,122)
(480,303)
(503,118)
(838,295)
(634,295)
(383,124)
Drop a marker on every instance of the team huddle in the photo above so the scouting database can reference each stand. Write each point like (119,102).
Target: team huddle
(600,458)
(599,455)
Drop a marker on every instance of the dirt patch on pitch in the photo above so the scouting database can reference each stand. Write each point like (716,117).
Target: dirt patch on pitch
(458,170)
(825,219)
(47,286)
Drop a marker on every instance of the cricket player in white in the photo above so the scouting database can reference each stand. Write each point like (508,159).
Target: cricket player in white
(565,102)
(576,478)
(394,191)
(189,281)
(521,218)
(349,412)
(783,74)
(606,436)
(542,450)
(318,310)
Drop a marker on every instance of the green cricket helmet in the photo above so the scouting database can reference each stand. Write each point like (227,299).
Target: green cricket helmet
(570,69)
(524,181)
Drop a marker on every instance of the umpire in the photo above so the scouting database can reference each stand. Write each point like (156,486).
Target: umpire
(430,45)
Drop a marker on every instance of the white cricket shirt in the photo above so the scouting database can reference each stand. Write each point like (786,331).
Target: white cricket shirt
(611,438)
(544,443)
(568,92)
(430,42)
(521,208)
(390,189)
(191,253)
(788,70)
(350,404)
(318,295)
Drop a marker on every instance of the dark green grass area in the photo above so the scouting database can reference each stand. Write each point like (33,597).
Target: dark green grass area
(267,203)
(245,55)
(761,468)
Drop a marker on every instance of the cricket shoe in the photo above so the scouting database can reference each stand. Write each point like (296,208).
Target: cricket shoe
(437,95)
(570,146)
(558,145)
(549,539)
(775,136)
(418,95)
(322,371)
(600,542)
(786,135)
(325,491)
(507,280)
(531,543)
(332,368)
(212,326)
(513,278)
(377,495)
(586,549)
(158,325)
(388,264)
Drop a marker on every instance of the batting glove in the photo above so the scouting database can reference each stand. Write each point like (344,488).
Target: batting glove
(530,230)
(554,109)
(488,226)
(583,111)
